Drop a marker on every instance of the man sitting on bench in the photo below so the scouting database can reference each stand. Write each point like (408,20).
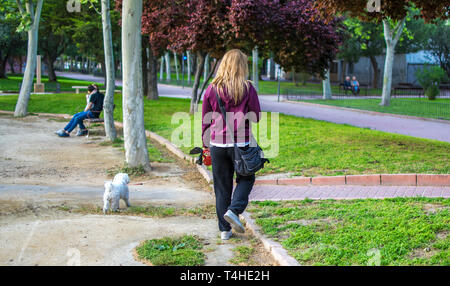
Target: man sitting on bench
(93,109)
(347,85)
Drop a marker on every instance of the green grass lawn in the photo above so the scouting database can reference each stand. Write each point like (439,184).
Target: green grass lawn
(307,147)
(400,231)
(422,107)
(11,84)
(183,251)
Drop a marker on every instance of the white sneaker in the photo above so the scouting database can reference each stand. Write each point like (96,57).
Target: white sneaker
(225,235)
(233,219)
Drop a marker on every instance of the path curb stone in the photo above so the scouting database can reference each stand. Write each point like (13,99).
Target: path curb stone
(278,252)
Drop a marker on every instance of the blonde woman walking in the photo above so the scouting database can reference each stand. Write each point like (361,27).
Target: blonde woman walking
(241,103)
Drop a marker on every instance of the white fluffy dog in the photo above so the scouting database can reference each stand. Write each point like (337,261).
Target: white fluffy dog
(114,191)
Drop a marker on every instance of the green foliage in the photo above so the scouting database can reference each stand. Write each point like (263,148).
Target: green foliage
(432,91)
(183,251)
(430,75)
(348,232)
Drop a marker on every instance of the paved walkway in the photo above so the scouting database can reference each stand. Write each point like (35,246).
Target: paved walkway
(277,192)
(387,123)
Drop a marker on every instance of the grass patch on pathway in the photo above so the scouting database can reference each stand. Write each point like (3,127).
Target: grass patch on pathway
(421,107)
(400,231)
(183,251)
(307,147)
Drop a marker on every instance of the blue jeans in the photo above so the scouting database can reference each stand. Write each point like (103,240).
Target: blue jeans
(78,119)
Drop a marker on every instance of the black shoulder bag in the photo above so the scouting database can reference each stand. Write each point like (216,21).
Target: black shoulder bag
(246,162)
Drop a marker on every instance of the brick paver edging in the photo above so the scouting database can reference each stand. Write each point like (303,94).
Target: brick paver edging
(364,180)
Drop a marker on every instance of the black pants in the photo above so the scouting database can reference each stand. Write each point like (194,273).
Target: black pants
(223,171)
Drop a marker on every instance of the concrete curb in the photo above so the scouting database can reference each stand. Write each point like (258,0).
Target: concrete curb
(369,111)
(442,180)
(278,252)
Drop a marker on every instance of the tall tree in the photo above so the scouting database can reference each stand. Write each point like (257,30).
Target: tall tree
(31,16)
(439,45)
(136,153)
(54,33)
(392,14)
(110,129)
(10,41)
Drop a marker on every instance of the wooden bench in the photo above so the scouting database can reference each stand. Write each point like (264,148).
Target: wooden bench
(362,86)
(77,89)
(403,90)
(95,120)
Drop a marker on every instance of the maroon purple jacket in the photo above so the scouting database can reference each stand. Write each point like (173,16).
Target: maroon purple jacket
(213,126)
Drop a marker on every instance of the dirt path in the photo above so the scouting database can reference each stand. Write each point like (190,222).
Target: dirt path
(42,176)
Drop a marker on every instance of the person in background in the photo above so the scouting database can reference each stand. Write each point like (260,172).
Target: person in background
(355,86)
(347,84)
(94,106)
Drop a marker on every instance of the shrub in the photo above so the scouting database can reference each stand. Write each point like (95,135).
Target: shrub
(429,78)
(432,91)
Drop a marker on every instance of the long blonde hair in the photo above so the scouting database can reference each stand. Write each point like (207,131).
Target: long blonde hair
(232,74)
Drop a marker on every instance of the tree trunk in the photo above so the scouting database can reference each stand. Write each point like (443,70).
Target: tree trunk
(293,78)
(189,67)
(327,86)
(168,72)
(391,37)
(198,74)
(205,82)
(161,69)
(255,77)
(27,82)
(50,68)
(152,76)
(344,71)
(374,63)
(21,64)
(11,64)
(144,66)
(175,57)
(206,69)
(3,62)
(271,69)
(110,82)
(136,152)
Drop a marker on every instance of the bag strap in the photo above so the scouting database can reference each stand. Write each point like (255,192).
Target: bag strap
(224,113)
